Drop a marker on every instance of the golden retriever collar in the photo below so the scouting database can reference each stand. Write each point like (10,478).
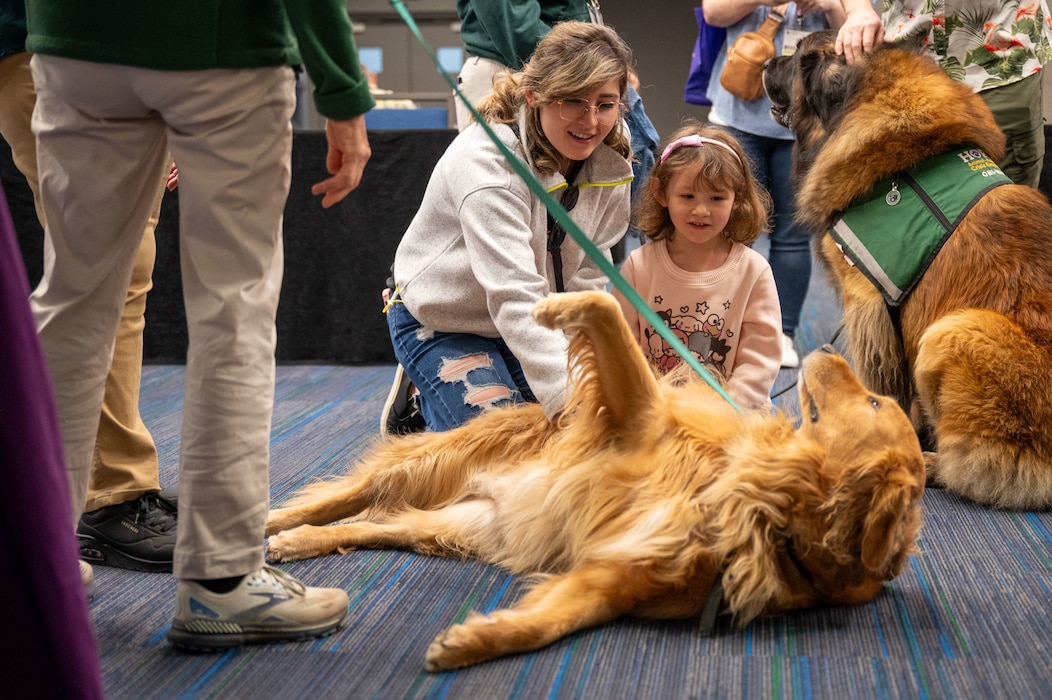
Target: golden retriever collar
(893,232)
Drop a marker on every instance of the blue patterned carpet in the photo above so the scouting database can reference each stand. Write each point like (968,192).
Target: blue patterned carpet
(968,618)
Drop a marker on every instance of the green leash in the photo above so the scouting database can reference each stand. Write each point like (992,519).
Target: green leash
(563,217)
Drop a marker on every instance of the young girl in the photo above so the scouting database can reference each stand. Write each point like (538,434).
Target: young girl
(702,207)
(769,145)
(476,257)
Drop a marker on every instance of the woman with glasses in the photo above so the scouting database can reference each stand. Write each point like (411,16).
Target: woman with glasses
(482,249)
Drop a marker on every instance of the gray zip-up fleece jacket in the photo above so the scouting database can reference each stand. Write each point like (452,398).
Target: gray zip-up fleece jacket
(475,259)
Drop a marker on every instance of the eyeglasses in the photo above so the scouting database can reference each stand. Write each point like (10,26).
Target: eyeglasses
(576,109)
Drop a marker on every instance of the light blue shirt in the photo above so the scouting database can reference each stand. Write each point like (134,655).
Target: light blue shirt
(755,117)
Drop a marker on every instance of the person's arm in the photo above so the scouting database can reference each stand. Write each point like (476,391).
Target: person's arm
(759,353)
(832,9)
(341,91)
(632,317)
(724,13)
(502,246)
(513,26)
(861,31)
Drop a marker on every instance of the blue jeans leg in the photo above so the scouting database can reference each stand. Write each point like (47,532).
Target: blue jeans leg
(458,375)
(790,252)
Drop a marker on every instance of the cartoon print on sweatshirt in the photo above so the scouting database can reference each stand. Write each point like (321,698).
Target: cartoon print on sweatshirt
(702,332)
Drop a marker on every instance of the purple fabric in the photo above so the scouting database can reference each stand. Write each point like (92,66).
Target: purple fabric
(706,49)
(49,645)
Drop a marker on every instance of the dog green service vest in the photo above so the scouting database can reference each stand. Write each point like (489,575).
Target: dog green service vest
(893,232)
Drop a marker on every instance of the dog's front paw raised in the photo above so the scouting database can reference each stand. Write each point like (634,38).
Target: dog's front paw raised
(460,645)
(573,308)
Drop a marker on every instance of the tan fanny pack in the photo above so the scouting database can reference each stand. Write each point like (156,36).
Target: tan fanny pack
(743,74)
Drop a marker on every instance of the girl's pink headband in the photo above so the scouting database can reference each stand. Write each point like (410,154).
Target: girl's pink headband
(695,140)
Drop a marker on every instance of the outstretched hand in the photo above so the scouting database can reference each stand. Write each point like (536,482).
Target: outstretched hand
(348,153)
(862,30)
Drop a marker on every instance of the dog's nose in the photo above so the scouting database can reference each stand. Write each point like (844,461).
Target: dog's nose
(829,349)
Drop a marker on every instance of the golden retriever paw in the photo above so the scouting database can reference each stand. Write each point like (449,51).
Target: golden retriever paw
(458,646)
(931,470)
(573,308)
(278,520)
(298,543)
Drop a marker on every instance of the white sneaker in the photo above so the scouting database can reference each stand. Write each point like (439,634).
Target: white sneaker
(267,606)
(401,412)
(790,359)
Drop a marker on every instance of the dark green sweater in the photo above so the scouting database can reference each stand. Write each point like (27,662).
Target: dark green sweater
(12,27)
(507,31)
(204,34)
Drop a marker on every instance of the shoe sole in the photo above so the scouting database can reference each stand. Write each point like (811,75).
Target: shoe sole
(392,397)
(101,554)
(210,643)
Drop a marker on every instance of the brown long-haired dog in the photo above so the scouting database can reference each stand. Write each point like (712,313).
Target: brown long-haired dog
(638,499)
(970,353)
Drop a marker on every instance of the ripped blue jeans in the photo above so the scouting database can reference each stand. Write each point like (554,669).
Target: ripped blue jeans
(459,375)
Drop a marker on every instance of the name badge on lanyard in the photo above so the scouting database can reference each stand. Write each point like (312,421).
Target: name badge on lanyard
(790,40)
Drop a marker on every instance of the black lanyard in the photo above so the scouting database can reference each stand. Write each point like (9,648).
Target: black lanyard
(556,232)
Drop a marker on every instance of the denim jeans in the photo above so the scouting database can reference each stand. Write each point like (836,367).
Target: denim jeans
(458,375)
(790,254)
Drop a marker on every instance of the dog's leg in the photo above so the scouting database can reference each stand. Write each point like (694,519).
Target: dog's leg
(607,364)
(425,470)
(552,609)
(979,377)
(337,502)
(458,530)
(873,345)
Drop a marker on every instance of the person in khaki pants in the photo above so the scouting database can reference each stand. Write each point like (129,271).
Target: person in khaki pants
(124,485)
(121,88)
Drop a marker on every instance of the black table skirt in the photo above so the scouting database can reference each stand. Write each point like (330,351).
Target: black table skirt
(336,260)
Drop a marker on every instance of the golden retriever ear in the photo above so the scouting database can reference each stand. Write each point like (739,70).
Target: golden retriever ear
(879,532)
(889,528)
(746,508)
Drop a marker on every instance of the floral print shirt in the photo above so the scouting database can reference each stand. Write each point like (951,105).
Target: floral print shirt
(981,43)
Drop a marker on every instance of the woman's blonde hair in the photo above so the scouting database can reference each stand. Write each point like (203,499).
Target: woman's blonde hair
(573,59)
(717,167)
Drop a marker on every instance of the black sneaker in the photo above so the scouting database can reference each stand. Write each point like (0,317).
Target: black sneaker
(137,535)
(401,414)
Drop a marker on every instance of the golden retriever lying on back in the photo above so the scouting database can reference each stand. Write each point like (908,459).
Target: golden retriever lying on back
(638,499)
